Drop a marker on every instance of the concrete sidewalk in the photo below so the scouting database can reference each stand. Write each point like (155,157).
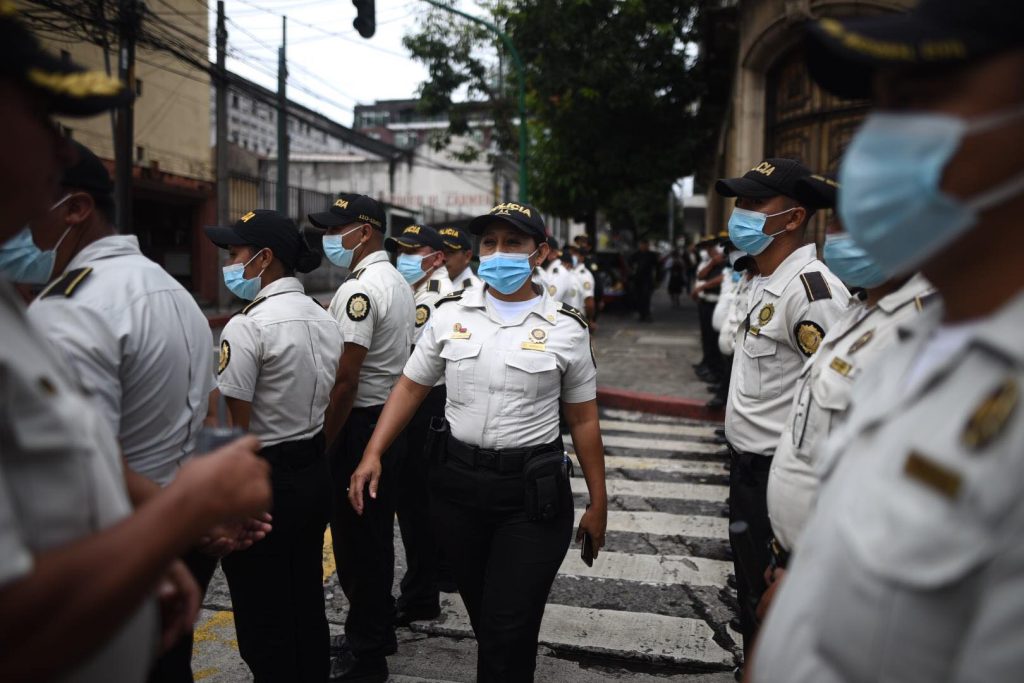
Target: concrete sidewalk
(649,366)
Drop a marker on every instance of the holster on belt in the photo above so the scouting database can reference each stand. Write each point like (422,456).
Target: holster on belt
(546,481)
(436,446)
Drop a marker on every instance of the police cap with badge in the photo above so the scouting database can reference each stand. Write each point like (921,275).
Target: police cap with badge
(414,237)
(520,216)
(817,191)
(267,229)
(349,208)
(770,178)
(455,239)
(67,89)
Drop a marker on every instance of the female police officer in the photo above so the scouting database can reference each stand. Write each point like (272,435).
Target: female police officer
(501,500)
(278,359)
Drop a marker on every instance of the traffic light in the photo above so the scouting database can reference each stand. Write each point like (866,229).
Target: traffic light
(365,21)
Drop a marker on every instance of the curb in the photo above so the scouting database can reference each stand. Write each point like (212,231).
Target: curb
(660,405)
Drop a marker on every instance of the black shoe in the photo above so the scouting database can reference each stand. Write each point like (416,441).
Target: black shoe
(339,644)
(347,667)
(737,674)
(720,432)
(446,586)
(730,581)
(406,617)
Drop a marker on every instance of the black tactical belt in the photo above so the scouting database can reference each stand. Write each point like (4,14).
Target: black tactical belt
(295,455)
(507,461)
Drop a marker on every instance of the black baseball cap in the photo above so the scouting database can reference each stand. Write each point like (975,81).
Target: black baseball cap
(88,173)
(415,236)
(817,191)
(455,238)
(351,208)
(553,243)
(521,216)
(770,178)
(263,228)
(844,54)
(68,88)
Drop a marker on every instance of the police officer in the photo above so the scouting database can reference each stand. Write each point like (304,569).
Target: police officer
(78,570)
(643,269)
(587,257)
(792,303)
(458,253)
(568,265)
(278,360)
(376,311)
(509,354)
(705,293)
(587,283)
(851,348)
(129,330)
(560,283)
(910,567)
(420,258)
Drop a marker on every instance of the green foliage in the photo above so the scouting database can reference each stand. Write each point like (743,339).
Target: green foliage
(613,94)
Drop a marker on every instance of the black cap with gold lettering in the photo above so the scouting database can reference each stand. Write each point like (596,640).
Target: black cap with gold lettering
(522,216)
(415,236)
(268,229)
(843,55)
(817,191)
(348,208)
(455,238)
(770,178)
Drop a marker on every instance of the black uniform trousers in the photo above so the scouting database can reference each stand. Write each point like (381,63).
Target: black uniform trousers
(503,563)
(364,545)
(748,502)
(277,584)
(712,354)
(419,585)
(175,665)
(643,291)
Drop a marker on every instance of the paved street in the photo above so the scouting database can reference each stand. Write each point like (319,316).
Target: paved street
(653,607)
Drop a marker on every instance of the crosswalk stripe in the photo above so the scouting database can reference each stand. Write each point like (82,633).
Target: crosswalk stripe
(656,489)
(659,569)
(625,462)
(609,632)
(656,428)
(677,445)
(666,524)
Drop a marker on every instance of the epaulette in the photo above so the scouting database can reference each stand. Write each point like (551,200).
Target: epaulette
(815,286)
(354,275)
(925,299)
(574,314)
(467,283)
(434,286)
(66,284)
(256,302)
(317,302)
(454,296)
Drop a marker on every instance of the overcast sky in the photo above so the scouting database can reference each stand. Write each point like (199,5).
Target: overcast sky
(331,68)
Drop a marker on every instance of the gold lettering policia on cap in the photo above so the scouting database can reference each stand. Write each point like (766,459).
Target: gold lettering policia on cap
(764,167)
(248,217)
(503,209)
(341,203)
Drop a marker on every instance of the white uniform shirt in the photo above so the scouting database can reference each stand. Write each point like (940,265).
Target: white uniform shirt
(60,480)
(733,323)
(281,354)
(505,379)
(911,566)
(788,313)
(856,343)
(463,280)
(140,346)
(540,277)
(376,311)
(727,293)
(562,285)
(586,279)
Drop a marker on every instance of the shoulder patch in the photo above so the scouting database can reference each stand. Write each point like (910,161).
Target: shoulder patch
(454,296)
(574,314)
(808,336)
(422,315)
(815,286)
(358,307)
(253,304)
(225,356)
(66,284)
(434,286)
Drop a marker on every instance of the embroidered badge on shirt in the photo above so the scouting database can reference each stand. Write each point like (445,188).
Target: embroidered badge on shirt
(991,416)
(808,336)
(765,315)
(537,339)
(935,476)
(460,332)
(862,341)
(225,356)
(586,285)
(551,290)
(358,307)
(422,314)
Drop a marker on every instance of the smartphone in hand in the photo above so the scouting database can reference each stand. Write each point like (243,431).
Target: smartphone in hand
(587,550)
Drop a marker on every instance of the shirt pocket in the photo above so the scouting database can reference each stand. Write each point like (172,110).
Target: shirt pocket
(530,376)
(828,395)
(460,369)
(762,373)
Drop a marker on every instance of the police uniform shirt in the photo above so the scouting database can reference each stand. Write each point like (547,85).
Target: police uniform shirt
(425,297)
(561,284)
(376,311)
(540,277)
(140,347)
(60,480)
(911,566)
(505,379)
(788,314)
(586,279)
(732,325)
(857,342)
(465,280)
(281,354)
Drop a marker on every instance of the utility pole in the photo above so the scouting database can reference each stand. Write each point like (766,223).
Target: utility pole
(128,29)
(282,123)
(223,188)
(521,84)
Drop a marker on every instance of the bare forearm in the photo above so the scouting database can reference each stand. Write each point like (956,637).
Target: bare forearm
(140,488)
(343,397)
(585,427)
(78,595)
(405,398)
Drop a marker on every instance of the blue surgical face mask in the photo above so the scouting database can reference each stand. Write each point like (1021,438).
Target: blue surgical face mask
(22,261)
(411,267)
(336,252)
(575,261)
(505,272)
(851,263)
(234,278)
(746,229)
(891,201)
